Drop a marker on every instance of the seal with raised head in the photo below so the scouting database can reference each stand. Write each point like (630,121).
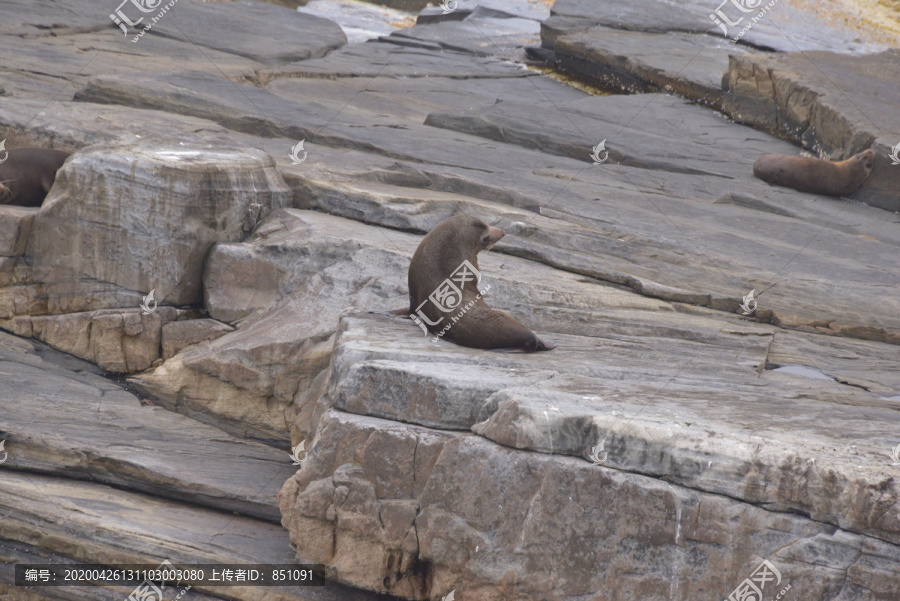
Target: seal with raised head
(443,293)
(27,175)
(817,176)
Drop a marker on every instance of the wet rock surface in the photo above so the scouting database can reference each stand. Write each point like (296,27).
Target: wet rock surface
(669,444)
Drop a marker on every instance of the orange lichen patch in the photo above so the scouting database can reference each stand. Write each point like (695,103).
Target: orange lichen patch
(875,21)
(404,22)
(869,238)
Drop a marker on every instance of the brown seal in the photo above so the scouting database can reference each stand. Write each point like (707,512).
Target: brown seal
(27,175)
(828,178)
(444,298)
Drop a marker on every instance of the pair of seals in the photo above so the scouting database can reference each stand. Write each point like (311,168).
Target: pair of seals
(443,292)
(838,178)
(27,174)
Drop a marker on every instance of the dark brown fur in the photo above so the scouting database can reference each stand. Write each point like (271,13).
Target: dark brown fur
(27,175)
(440,253)
(816,176)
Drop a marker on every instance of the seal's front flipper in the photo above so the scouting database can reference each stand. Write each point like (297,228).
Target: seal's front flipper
(545,345)
(391,313)
(539,345)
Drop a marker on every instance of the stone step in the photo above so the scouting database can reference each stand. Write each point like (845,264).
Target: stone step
(94,523)
(61,417)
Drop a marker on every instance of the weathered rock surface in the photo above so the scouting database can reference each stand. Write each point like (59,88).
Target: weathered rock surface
(155,209)
(179,334)
(686,64)
(86,522)
(256,30)
(93,429)
(720,440)
(636,413)
(395,497)
(832,104)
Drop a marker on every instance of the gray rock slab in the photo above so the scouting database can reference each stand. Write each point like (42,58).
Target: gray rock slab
(286,289)
(689,65)
(716,421)
(46,18)
(834,105)
(486,519)
(483,32)
(142,190)
(94,523)
(379,58)
(59,418)
(620,248)
(781,26)
(71,59)
(257,30)
(73,125)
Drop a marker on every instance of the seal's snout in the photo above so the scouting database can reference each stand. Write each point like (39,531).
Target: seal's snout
(492,237)
(868,159)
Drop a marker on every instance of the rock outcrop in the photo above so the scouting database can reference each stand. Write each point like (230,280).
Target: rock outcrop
(680,434)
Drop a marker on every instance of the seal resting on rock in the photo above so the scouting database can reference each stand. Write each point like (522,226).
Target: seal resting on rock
(444,298)
(27,175)
(817,176)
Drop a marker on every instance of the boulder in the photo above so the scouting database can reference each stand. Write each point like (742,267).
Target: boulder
(142,217)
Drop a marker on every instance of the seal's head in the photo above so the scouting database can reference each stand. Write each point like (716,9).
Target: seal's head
(473,234)
(867,159)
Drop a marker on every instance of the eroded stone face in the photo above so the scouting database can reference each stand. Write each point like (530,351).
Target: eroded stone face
(142,216)
(417,513)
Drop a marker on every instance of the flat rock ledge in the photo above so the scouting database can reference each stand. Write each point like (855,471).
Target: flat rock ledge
(422,477)
(661,452)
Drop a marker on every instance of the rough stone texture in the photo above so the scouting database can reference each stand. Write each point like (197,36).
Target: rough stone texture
(255,30)
(95,523)
(179,334)
(784,28)
(379,498)
(15,225)
(433,467)
(155,209)
(686,64)
(91,428)
(834,105)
